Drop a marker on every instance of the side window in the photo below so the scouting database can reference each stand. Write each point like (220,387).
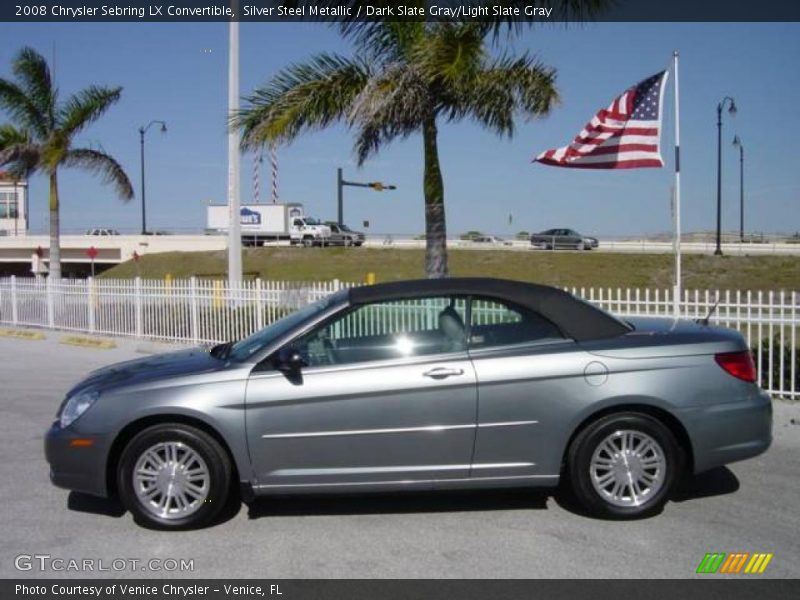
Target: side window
(497,323)
(388,330)
(298,223)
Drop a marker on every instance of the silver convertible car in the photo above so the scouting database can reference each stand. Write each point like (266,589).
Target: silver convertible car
(451,383)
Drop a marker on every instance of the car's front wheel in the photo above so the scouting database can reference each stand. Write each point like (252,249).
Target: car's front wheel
(174,476)
(624,465)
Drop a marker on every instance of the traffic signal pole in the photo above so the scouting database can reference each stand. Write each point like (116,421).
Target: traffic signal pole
(377,186)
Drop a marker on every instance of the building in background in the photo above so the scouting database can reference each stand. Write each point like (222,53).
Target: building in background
(13,205)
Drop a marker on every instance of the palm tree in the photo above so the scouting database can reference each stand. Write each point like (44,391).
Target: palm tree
(405,78)
(42,132)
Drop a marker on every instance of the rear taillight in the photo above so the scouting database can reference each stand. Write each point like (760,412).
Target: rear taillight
(738,364)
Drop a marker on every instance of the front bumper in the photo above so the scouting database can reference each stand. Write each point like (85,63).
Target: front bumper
(77,468)
(727,432)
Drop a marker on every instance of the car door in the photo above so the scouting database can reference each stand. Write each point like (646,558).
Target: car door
(562,238)
(388,394)
(574,238)
(530,383)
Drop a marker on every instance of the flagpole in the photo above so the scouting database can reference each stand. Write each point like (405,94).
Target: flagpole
(234,200)
(677,240)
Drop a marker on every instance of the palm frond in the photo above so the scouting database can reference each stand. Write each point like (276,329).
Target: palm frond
(103,165)
(304,96)
(450,53)
(21,108)
(31,70)
(392,104)
(18,154)
(385,40)
(85,107)
(502,89)
(10,136)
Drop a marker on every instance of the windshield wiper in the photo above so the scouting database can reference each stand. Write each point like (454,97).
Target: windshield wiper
(221,351)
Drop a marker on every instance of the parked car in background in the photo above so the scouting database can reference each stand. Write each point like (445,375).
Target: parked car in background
(342,235)
(438,383)
(563,239)
(490,240)
(102,231)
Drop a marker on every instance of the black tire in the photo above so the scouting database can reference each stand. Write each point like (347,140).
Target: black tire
(583,447)
(209,449)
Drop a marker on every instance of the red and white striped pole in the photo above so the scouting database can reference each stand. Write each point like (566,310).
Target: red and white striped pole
(257,178)
(273,159)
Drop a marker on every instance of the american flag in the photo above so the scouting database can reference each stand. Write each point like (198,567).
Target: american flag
(625,135)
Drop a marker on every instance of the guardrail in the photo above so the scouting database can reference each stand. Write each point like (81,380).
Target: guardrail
(209,311)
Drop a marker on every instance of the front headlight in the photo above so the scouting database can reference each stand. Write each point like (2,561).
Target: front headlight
(76,406)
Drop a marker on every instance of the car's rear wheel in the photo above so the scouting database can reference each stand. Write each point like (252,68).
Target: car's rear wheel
(174,476)
(624,465)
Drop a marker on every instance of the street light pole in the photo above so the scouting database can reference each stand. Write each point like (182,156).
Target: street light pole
(142,130)
(339,197)
(737,142)
(378,186)
(732,111)
(234,139)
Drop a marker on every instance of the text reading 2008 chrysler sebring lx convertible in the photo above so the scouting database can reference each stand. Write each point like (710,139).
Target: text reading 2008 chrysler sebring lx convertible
(453,383)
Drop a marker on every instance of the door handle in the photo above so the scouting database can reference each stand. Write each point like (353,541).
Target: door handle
(442,373)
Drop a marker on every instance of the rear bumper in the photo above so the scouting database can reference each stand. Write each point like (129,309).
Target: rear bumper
(81,469)
(727,432)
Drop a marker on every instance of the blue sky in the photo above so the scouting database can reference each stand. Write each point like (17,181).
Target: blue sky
(177,72)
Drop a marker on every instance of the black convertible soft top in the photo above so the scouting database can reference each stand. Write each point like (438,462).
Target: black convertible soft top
(577,319)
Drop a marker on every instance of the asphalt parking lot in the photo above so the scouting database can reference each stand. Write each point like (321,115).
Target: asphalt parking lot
(752,506)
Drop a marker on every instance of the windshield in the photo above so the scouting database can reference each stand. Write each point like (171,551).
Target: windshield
(244,349)
(310,221)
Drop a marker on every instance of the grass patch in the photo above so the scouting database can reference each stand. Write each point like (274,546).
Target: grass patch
(588,269)
(22,334)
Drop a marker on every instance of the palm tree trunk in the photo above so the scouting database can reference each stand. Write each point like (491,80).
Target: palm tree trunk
(55,243)
(433,186)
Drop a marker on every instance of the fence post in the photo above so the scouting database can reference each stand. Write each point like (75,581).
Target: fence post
(259,305)
(137,300)
(14,312)
(50,308)
(195,315)
(91,303)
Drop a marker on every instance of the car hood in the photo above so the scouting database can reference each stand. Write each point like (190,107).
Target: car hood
(150,368)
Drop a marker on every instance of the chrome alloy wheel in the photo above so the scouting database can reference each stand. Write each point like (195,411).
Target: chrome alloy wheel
(628,468)
(171,480)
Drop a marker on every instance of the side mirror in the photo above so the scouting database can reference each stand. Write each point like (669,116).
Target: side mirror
(289,360)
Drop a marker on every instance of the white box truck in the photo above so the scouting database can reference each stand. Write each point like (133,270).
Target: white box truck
(270,223)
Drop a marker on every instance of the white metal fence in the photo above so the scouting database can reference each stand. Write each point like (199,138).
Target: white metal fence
(206,311)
